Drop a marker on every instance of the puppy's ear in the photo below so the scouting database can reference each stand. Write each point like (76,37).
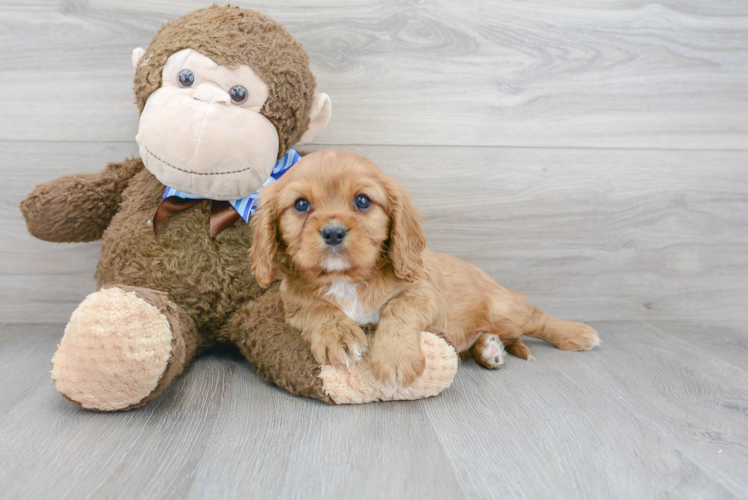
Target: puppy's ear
(264,250)
(407,241)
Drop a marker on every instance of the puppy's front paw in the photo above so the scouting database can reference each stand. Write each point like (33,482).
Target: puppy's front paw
(338,343)
(398,365)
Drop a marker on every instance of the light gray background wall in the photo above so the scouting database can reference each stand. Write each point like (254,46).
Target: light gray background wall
(592,155)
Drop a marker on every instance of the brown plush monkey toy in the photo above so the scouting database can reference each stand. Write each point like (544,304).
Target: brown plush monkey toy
(224,93)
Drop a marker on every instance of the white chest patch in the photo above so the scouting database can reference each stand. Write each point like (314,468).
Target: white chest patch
(345,296)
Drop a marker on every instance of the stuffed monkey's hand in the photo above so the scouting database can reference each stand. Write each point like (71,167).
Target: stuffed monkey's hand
(77,207)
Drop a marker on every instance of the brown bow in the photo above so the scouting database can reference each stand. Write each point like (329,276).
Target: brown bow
(222,214)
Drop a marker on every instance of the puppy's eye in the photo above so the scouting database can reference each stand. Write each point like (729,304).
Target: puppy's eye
(186,78)
(301,205)
(362,202)
(238,94)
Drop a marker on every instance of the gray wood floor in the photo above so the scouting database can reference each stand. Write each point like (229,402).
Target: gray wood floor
(592,155)
(657,411)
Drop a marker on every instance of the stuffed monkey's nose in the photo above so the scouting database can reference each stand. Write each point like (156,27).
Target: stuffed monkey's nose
(210,94)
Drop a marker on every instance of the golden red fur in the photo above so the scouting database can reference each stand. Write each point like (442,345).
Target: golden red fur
(381,272)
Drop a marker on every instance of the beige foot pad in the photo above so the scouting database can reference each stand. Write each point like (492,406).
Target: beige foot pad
(357,384)
(115,349)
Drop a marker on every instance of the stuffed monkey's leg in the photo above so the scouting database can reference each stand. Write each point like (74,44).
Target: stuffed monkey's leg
(283,357)
(277,351)
(122,347)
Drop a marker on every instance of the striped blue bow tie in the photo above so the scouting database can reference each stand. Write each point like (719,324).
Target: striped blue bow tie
(247,206)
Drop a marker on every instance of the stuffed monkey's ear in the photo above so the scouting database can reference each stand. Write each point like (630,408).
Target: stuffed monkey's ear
(319,118)
(137,55)
(407,241)
(264,250)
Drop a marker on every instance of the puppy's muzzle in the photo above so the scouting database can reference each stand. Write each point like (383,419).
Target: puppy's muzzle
(333,235)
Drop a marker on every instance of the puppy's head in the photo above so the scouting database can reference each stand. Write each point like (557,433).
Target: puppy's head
(335,213)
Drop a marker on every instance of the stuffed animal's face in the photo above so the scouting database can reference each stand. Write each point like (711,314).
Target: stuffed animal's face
(202,131)
(224,93)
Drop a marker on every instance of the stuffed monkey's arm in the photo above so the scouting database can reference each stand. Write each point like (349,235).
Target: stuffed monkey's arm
(279,353)
(334,338)
(77,207)
(276,350)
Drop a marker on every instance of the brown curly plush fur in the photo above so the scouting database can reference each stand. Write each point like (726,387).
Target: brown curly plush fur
(231,36)
(202,285)
(207,277)
(275,349)
(79,215)
(199,289)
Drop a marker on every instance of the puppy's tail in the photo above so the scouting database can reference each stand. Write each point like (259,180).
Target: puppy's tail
(565,335)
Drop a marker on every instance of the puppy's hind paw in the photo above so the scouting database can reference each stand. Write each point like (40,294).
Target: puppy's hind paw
(489,351)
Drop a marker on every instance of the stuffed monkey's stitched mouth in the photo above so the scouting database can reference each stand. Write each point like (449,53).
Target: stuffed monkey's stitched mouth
(191,172)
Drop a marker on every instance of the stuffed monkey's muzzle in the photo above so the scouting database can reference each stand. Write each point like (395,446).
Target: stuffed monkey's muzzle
(210,94)
(197,142)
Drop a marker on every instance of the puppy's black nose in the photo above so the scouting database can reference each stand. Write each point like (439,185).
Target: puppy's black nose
(333,235)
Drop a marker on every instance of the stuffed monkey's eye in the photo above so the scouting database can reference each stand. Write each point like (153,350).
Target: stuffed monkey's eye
(238,94)
(186,78)
(301,205)
(362,202)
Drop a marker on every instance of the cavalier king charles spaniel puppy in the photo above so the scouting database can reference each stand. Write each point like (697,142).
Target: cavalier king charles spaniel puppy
(348,243)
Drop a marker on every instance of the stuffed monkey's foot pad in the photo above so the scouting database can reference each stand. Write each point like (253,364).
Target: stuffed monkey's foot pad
(356,384)
(114,351)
